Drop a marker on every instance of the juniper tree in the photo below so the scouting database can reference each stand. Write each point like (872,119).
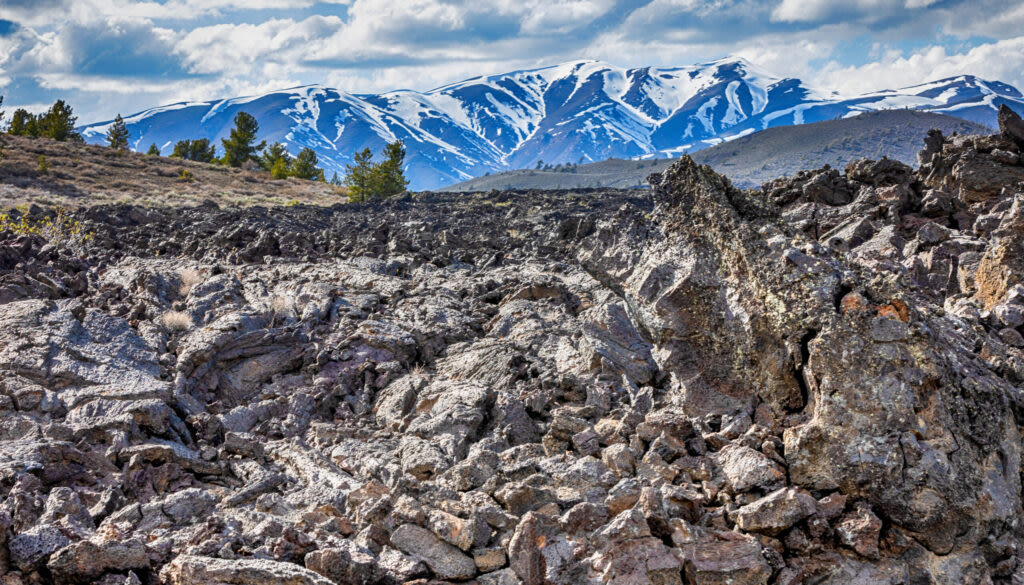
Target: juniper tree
(118,135)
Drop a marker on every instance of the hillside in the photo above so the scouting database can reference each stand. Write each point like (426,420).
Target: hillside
(753,159)
(82,175)
(582,111)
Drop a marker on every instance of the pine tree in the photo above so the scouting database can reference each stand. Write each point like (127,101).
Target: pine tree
(58,123)
(359,176)
(153,150)
(239,146)
(199,150)
(24,124)
(181,149)
(304,166)
(118,135)
(272,154)
(390,178)
(335,180)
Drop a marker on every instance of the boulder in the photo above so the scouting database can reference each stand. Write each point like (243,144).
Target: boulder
(348,564)
(1011,127)
(721,562)
(194,570)
(86,561)
(745,468)
(445,560)
(775,512)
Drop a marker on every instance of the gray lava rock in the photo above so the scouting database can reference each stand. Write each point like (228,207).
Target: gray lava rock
(445,560)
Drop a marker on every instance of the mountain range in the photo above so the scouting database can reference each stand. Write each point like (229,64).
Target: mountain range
(576,112)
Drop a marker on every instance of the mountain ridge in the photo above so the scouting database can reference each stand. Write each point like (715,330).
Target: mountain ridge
(578,111)
(755,158)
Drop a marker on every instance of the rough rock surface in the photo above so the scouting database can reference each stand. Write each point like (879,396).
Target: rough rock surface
(814,382)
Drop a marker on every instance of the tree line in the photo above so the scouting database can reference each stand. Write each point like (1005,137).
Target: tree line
(364,178)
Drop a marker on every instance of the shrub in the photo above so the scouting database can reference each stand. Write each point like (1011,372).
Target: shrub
(280,169)
(56,229)
(176,320)
(186,176)
(44,167)
(190,277)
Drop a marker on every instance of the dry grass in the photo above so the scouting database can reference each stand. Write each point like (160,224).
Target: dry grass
(190,277)
(281,306)
(82,175)
(176,320)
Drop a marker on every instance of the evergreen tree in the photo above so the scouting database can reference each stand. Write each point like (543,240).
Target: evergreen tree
(280,169)
(24,124)
(389,177)
(58,123)
(359,176)
(181,149)
(153,150)
(272,154)
(304,166)
(199,150)
(335,180)
(239,146)
(118,135)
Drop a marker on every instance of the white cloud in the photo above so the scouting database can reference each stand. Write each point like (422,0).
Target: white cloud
(999,61)
(234,48)
(109,53)
(821,10)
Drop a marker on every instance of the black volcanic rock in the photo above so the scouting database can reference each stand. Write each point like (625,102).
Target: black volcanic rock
(1011,127)
(819,380)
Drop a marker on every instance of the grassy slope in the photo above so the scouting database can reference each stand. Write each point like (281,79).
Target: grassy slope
(81,175)
(759,157)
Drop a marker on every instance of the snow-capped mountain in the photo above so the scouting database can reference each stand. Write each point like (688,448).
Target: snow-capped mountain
(575,112)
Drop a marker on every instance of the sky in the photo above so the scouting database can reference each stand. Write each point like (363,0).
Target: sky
(122,56)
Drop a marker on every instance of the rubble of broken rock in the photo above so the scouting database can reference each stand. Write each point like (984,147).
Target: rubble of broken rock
(815,382)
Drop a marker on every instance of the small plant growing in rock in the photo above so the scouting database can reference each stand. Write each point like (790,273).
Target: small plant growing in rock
(281,306)
(190,277)
(176,320)
(44,167)
(58,229)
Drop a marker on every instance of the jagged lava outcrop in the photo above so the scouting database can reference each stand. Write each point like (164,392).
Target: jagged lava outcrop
(818,381)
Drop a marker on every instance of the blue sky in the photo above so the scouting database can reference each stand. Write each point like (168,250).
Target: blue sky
(111,56)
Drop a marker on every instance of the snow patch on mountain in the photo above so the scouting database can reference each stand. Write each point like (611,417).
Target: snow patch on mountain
(566,113)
